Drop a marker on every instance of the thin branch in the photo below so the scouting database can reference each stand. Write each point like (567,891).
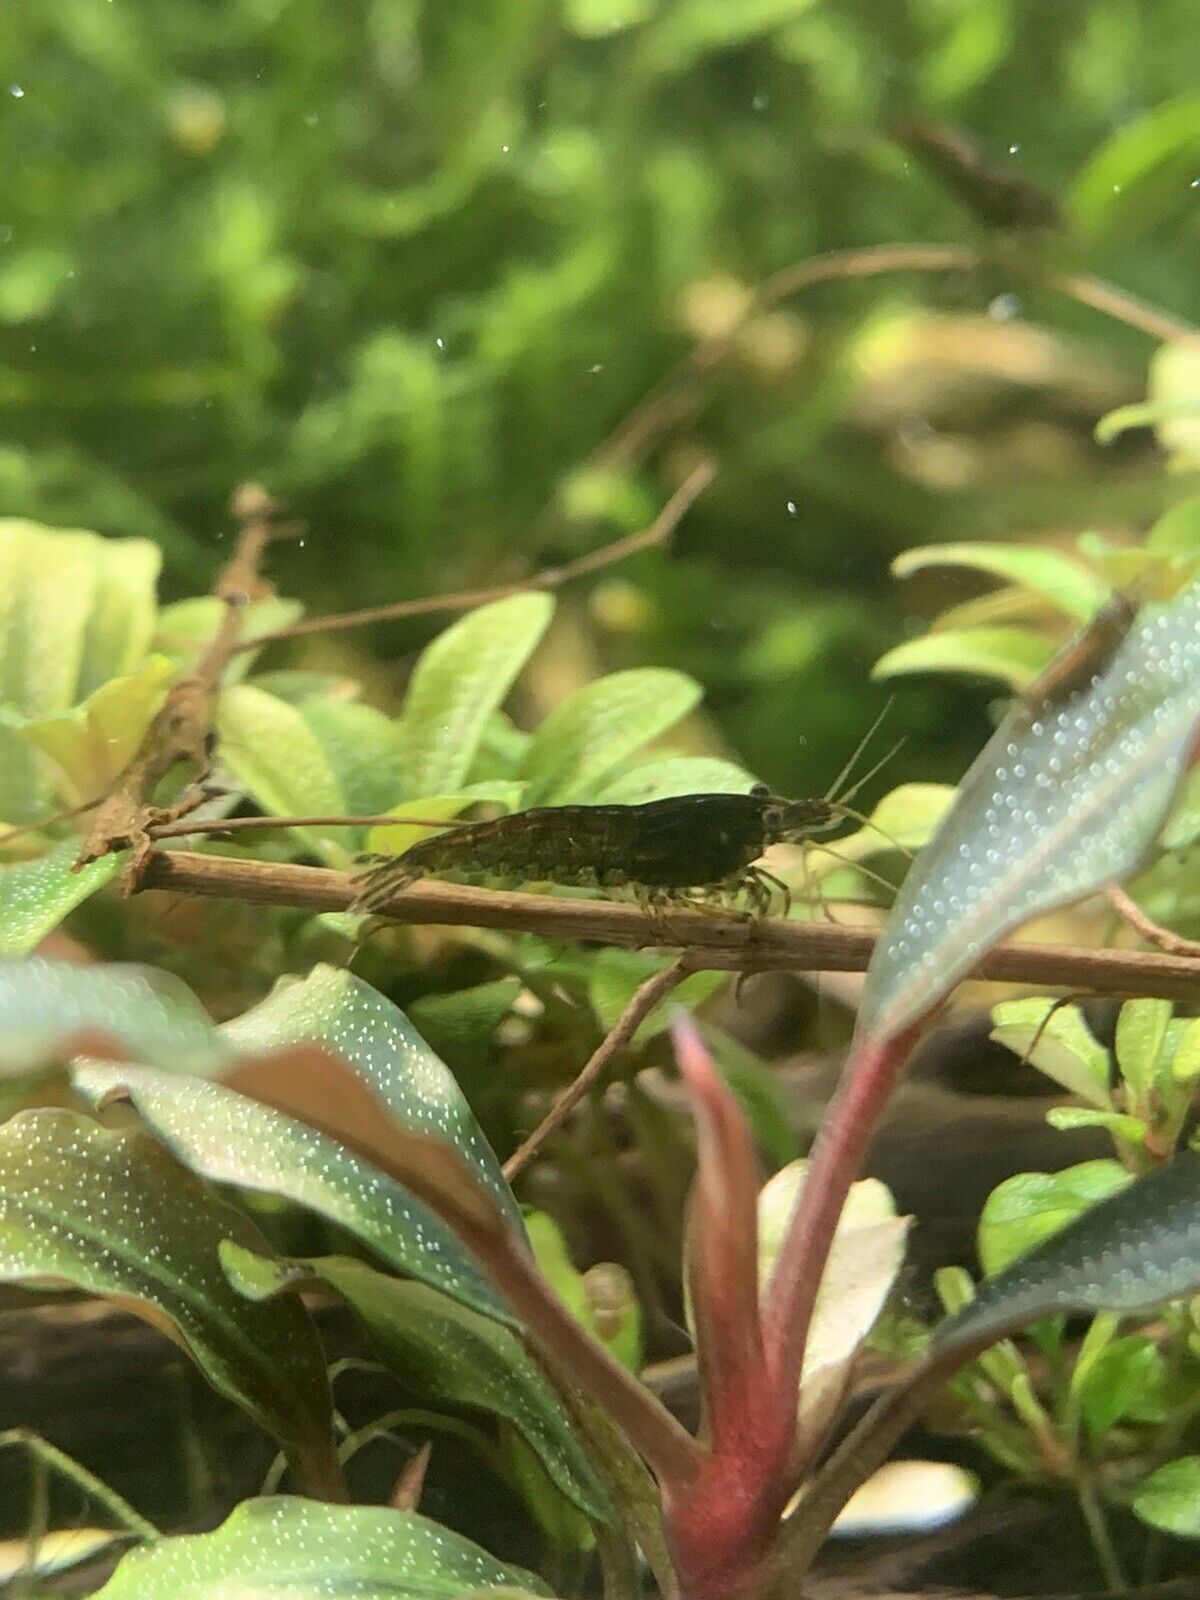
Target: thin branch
(659,531)
(181,729)
(1162,938)
(644,1000)
(681,393)
(716,943)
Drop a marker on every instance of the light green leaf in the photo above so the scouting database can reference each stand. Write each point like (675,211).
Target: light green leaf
(602,1298)
(1170,1498)
(75,610)
(461,678)
(92,743)
(1058,1042)
(1185,1063)
(291,1549)
(905,819)
(1031,1206)
(1140,1039)
(1174,391)
(444,1353)
(1014,655)
(1057,577)
(599,726)
(864,1261)
(1065,798)
(113,1213)
(1130,1129)
(271,750)
(1177,531)
(669,776)
(36,895)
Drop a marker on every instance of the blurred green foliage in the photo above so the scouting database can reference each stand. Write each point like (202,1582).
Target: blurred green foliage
(409,261)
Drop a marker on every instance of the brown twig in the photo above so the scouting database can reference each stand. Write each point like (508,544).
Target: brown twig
(681,393)
(711,942)
(181,729)
(658,532)
(644,1000)
(1174,944)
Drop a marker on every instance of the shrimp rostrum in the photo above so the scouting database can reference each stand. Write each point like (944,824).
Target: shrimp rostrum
(686,848)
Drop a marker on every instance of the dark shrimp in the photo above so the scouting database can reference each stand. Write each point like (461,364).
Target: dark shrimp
(662,849)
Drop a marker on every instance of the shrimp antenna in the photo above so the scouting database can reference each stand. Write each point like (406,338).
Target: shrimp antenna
(864,821)
(853,761)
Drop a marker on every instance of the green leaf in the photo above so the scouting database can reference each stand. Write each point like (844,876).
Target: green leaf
(1057,577)
(291,1549)
(1185,1063)
(1141,173)
(113,1213)
(362,749)
(461,678)
(91,744)
(1014,655)
(1058,1042)
(1141,1035)
(593,730)
(1177,531)
(1169,1498)
(1131,1252)
(616,975)
(1031,1206)
(669,776)
(51,1009)
(1064,799)
(444,1353)
(1124,1370)
(231,1139)
(36,895)
(602,1298)
(459,1025)
(271,750)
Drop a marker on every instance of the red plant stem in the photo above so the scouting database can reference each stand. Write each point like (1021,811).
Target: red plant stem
(836,1160)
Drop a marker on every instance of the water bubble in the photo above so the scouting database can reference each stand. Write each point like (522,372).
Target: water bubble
(1004,308)
(311,119)
(791,505)
(441,343)
(760,102)
(1013,148)
(16,91)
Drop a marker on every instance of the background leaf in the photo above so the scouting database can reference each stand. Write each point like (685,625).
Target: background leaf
(1013,655)
(295,1549)
(593,730)
(1031,1206)
(461,678)
(1066,583)
(273,752)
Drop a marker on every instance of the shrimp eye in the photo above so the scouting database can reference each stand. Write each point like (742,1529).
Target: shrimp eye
(758,790)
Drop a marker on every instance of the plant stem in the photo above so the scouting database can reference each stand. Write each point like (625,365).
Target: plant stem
(56,1460)
(712,943)
(1100,1533)
(644,1000)
(835,1162)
